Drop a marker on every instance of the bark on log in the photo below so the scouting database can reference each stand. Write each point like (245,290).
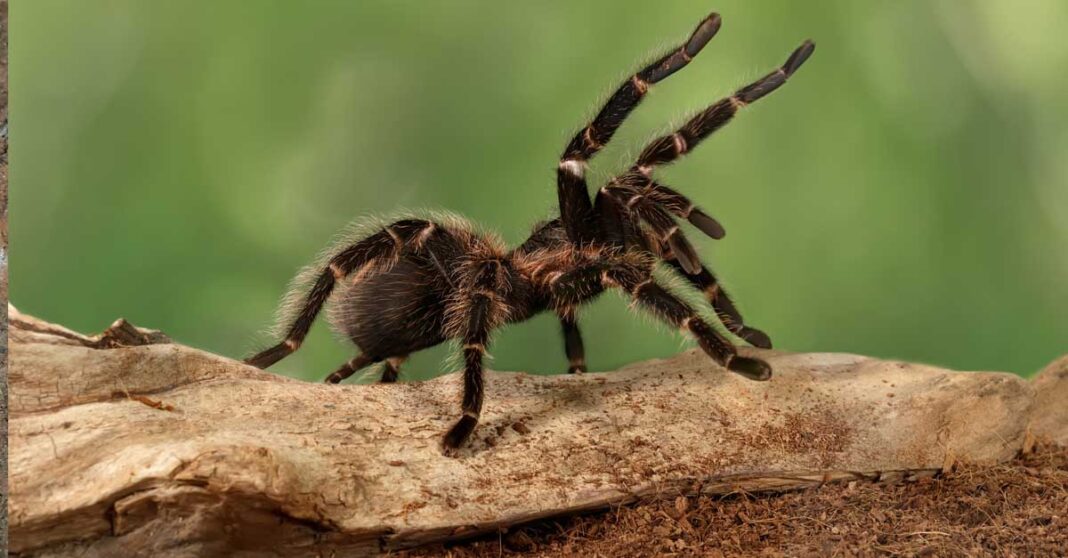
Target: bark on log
(1051,403)
(125,444)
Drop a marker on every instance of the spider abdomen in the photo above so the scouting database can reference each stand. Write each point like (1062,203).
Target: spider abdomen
(400,300)
(392,312)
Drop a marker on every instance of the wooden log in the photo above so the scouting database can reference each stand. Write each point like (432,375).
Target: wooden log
(127,444)
(1050,414)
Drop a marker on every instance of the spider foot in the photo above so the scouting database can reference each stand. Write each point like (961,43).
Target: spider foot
(752,368)
(576,369)
(458,434)
(267,357)
(755,337)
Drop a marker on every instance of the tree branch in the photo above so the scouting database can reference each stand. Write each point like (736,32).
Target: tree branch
(127,444)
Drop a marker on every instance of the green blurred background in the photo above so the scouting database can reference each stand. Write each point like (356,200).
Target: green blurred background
(905,195)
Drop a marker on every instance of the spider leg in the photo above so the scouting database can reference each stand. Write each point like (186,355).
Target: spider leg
(651,201)
(349,368)
(659,221)
(647,293)
(670,309)
(383,245)
(674,249)
(473,395)
(640,196)
(644,190)
(667,148)
(575,208)
(682,207)
(391,370)
(576,352)
(706,282)
(480,310)
(617,224)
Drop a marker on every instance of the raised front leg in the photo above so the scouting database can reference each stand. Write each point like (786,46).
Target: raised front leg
(665,149)
(641,197)
(576,211)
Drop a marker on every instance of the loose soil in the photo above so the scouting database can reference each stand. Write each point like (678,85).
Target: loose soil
(1016,509)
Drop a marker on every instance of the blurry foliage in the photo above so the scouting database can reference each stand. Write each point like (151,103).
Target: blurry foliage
(905,195)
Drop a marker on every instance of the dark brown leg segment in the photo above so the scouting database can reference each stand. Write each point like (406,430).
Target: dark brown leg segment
(721,302)
(666,149)
(480,318)
(576,352)
(386,243)
(665,306)
(660,222)
(641,190)
(670,309)
(576,211)
(314,301)
(391,369)
(349,368)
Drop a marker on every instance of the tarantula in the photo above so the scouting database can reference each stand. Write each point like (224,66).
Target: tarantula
(418,282)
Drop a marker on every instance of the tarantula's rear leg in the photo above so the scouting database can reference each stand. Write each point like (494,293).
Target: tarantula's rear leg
(385,244)
(349,368)
(576,212)
(576,352)
(390,370)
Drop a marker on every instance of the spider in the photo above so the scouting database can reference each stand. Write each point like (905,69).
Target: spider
(420,281)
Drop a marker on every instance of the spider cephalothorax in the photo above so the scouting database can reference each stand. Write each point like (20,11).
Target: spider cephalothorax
(417,282)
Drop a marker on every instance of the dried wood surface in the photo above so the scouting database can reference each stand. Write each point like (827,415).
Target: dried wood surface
(127,444)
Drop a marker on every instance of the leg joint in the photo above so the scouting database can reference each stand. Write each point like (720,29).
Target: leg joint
(636,291)
(574,167)
(640,84)
(680,143)
(396,237)
(424,234)
(591,144)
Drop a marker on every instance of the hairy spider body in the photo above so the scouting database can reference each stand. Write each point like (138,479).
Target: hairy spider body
(417,282)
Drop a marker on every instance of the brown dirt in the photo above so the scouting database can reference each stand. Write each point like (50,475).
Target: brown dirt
(1016,509)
